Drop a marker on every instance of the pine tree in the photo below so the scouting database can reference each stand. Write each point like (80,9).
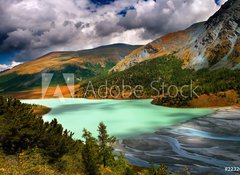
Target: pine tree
(105,145)
(90,154)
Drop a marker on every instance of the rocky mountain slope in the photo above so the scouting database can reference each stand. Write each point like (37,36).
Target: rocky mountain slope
(214,43)
(84,64)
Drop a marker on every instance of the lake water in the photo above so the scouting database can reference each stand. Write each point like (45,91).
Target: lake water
(124,118)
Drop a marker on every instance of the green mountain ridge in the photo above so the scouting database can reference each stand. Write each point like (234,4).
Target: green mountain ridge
(84,64)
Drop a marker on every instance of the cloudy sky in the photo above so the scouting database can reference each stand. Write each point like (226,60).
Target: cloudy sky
(31,28)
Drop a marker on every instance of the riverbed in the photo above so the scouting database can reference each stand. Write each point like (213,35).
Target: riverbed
(205,145)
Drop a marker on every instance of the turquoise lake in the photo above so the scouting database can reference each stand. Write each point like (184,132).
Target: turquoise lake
(124,118)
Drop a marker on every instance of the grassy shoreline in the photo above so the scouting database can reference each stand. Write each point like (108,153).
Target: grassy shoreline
(40,110)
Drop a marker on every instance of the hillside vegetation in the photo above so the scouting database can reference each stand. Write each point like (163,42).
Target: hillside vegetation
(28,145)
(158,76)
(83,64)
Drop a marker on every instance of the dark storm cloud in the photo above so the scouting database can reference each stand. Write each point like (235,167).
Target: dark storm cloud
(3,36)
(31,28)
(104,28)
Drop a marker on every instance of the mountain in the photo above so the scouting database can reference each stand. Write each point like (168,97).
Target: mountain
(204,57)
(84,64)
(212,44)
(164,80)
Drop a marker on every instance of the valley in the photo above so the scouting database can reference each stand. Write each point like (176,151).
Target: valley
(196,138)
(172,101)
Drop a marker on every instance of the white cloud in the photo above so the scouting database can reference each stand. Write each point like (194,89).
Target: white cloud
(10,66)
(36,27)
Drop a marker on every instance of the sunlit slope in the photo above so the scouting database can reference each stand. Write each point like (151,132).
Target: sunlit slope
(84,64)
